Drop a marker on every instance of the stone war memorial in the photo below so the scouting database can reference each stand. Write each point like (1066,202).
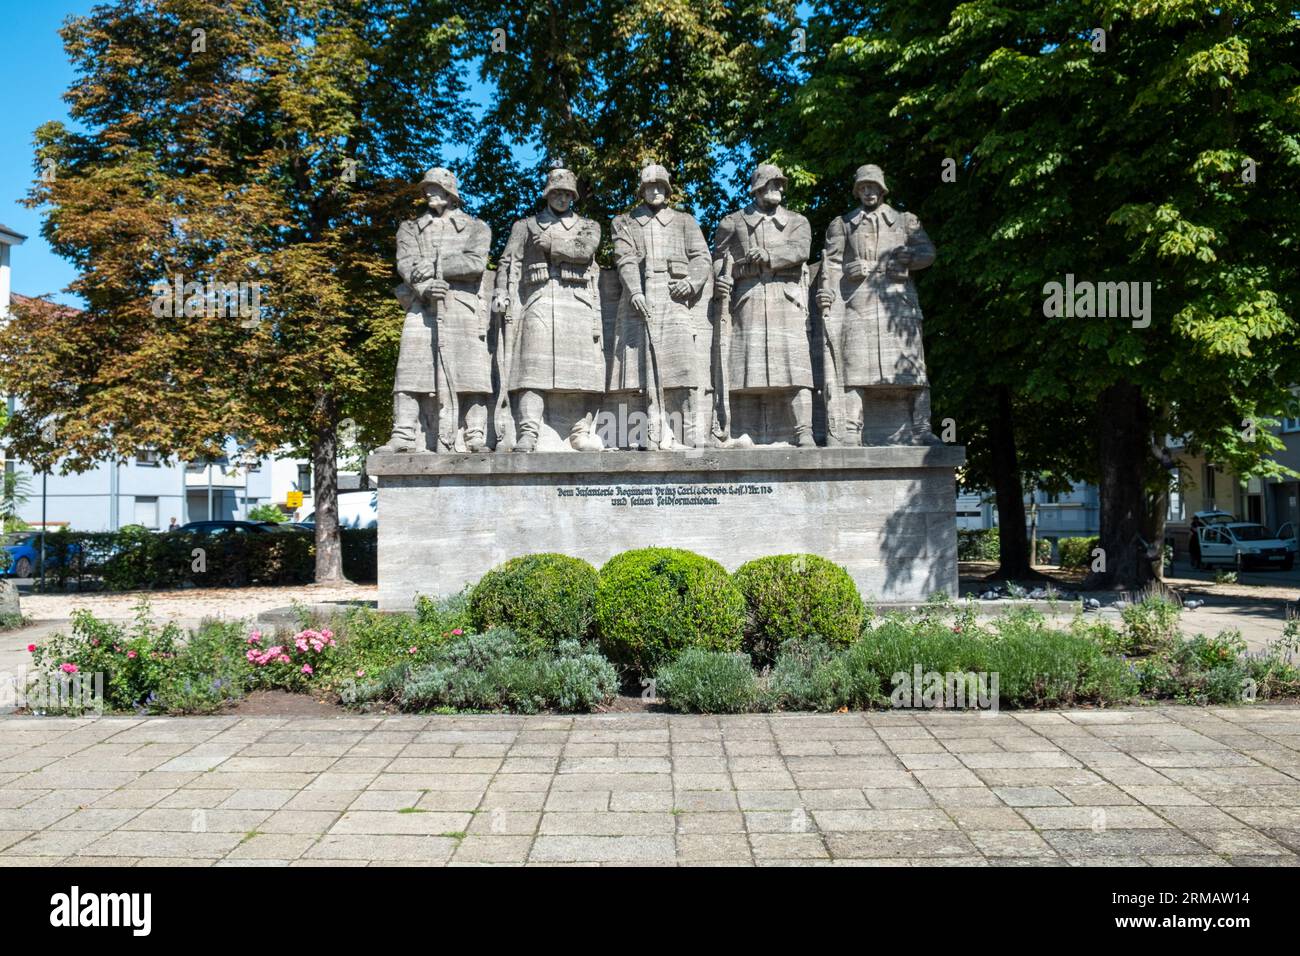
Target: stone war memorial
(731,397)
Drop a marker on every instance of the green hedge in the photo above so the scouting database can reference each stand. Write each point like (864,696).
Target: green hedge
(653,603)
(135,558)
(797,595)
(543,598)
(1076,552)
(979,544)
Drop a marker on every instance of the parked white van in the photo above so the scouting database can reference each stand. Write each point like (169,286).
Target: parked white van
(357,509)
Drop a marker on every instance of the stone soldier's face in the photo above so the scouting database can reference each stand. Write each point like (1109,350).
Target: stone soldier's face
(655,195)
(560,200)
(770,195)
(869,194)
(437,198)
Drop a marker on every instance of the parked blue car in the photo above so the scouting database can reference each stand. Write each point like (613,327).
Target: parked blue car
(24,550)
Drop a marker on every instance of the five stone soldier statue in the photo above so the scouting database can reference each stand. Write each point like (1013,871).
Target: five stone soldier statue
(441,257)
(875,365)
(770,353)
(664,265)
(551,299)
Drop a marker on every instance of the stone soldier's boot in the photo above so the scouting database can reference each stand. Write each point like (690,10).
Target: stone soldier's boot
(531,408)
(801,405)
(475,423)
(406,425)
(583,437)
(921,429)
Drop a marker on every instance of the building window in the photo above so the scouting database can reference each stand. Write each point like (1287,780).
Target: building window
(146,512)
(1209,486)
(304,479)
(1291,424)
(148,457)
(1176,506)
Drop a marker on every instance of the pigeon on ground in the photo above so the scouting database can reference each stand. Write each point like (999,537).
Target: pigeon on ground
(1092,604)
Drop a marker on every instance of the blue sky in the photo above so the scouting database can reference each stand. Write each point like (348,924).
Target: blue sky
(36,73)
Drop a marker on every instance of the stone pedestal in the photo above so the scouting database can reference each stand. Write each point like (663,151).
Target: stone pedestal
(884,513)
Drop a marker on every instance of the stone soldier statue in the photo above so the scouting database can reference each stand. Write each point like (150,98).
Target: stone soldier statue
(441,257)
(769,353)
(663,263)
(547,287)
(877,391)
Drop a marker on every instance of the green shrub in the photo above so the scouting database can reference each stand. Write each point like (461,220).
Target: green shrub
(544,598)
(209,671)
(1150,624)
(267,512)
(1200,670)
(978,544)
(497,671)
(797,595)
(810,674)
(371,644)
(134,558)
(1076,552)
(1041,667)
(133,660)
(653,603)
(710,682)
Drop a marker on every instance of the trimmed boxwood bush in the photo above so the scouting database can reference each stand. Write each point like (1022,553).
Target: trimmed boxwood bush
(653,603)
(794,596)
(543,598)
(1075,552)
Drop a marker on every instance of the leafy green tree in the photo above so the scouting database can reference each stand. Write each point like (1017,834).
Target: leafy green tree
(1161,151)
(259,141)
(606,86)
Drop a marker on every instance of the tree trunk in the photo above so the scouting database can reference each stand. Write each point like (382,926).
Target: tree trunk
(1013,543)
(325,491)
(1124,433)
(1156,515)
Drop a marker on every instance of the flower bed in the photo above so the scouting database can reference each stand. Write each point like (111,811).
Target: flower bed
(810,646)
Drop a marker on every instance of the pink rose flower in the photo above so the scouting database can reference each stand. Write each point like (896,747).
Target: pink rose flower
(131,655)
(411,650)
(31,648)
(306,669)
(69,668)
(361,672)
(457,632)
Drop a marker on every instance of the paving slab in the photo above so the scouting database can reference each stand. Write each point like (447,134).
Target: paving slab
(1152,786)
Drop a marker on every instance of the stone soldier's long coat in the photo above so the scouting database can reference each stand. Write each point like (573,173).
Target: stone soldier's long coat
(650,250)
(460,242)
(769,304)
(555,328)
(874,325)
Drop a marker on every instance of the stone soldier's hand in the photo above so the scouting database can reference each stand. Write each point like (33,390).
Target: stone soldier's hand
(680,288)
(542,239)
(824,299)
(723,286)
(639,303)
(856,269)
(437,290)
(760,255)
(500,302)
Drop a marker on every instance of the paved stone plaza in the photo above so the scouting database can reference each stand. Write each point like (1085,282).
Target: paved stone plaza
(1158,786)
